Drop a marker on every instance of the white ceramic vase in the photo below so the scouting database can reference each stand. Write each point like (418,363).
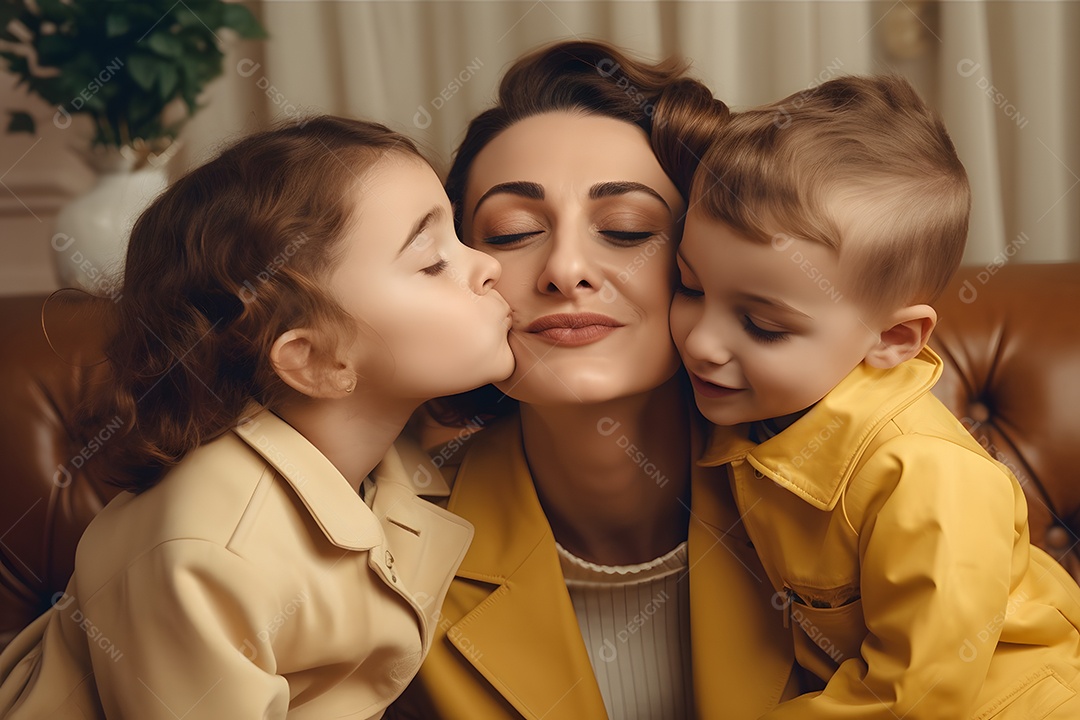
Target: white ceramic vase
(92,230)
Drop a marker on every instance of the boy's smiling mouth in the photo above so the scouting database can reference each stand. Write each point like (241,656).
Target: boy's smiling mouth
(710,389)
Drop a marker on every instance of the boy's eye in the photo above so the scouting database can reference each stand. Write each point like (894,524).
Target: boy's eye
(761,334)
(511,238)
(436,269)
(627,237)
(681,289)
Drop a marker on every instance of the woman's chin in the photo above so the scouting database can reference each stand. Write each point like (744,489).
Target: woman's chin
(539,384)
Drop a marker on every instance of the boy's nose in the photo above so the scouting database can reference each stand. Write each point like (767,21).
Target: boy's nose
(706,345)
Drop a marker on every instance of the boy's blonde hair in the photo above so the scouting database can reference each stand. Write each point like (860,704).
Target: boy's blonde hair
(860,164)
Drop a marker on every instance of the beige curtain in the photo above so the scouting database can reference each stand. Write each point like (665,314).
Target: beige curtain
(1003,74)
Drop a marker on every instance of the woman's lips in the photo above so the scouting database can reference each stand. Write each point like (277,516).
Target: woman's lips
(573,329)
(711,390)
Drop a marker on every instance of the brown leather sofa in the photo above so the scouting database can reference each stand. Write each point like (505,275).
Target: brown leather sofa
(1010,338)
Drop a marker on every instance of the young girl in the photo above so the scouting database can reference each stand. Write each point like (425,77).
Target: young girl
(284,309)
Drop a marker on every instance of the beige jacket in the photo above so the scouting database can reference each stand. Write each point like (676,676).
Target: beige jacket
(252,582)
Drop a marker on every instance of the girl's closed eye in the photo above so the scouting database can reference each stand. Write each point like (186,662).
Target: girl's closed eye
(761,334)
(437,268)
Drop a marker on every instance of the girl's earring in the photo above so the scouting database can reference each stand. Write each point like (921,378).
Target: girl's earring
(351,386)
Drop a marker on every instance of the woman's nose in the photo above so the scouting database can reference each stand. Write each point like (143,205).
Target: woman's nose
(570,268)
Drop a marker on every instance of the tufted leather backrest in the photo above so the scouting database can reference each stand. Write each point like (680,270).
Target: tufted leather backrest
(1010,340)
(46,501)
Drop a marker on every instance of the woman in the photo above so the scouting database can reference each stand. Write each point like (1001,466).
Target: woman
(609,576)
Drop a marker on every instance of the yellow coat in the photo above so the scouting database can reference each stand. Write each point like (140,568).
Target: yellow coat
(251,582)
(901,552)
(509,645)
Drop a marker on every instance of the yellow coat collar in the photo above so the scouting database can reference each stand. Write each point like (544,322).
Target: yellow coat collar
(816,456)
(524,638)
(335,506)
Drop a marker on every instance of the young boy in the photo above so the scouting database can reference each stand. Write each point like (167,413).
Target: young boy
(821,228)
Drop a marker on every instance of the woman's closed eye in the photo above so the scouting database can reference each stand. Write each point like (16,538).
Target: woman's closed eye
(510,238)
(627,237)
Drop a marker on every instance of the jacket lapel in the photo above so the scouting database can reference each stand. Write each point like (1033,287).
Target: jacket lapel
(529,607)
(742,654)
(414,546)
(339,511)
(836,431)
(424,543)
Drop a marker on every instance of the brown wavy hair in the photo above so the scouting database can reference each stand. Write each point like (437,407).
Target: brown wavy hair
(677,112)
(228,258)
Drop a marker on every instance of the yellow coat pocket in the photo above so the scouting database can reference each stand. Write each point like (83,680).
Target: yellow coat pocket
(826,636)
(1032,698)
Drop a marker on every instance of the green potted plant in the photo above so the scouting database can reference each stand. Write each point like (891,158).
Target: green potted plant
(119,62)
(136,70)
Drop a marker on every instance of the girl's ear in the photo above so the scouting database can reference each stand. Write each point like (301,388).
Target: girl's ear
(906,334)
(296,362)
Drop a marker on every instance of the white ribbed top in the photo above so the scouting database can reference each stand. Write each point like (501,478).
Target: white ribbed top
(635,620)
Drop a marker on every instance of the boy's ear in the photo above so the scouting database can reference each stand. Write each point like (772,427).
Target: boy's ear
(906,332)
(296,362)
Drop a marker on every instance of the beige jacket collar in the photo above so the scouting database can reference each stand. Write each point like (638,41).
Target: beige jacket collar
(816,457)
(339,511)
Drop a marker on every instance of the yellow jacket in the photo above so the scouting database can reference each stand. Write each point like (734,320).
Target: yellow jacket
(251,582)
(900,550)
(508,643)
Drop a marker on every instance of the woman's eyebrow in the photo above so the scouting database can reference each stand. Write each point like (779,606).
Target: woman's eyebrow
(521,188)
(611,189)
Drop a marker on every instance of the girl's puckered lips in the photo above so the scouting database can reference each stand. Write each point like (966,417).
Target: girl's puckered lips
(573,329)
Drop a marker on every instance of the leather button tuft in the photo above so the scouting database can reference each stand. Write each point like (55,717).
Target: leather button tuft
(1058,537)
(979,412)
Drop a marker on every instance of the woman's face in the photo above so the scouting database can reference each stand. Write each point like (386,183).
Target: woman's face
(429,321)
(583,219)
